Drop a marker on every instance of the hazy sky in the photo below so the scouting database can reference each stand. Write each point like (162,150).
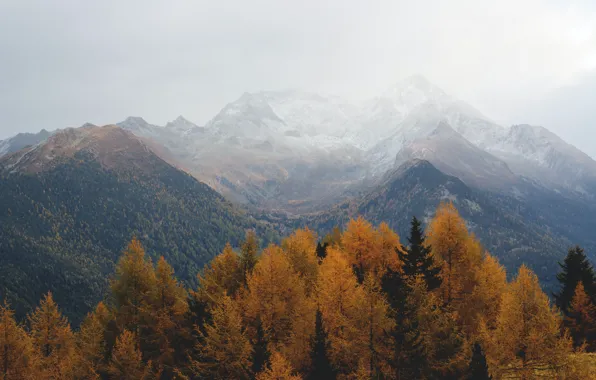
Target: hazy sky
(63,63)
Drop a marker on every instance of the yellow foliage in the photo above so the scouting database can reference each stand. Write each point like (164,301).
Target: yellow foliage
(528,335)
(278,369)
(277,295)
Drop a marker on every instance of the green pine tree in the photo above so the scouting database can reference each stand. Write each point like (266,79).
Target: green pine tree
(321,250)
(408,350)
(321,365)
(249,251)
(260,350)
(574,268)
(478,367)
(417,258)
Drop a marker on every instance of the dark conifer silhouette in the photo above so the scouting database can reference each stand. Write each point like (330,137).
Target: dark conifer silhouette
(321,365)
(574,268)
(417,258)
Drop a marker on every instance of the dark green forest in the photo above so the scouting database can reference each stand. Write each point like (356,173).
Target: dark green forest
(62,229)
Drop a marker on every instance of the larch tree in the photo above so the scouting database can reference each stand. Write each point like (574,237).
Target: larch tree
(360,242)
(581,319)
(279,368)
(167,332)
(339,298)
(53,341)
(300,247)
(417,257)
(92,342)
(17,357)
(223,275)
(127,362)
(575,268)
(277,295)
(528,335)
(225,350)
(460,253)
(132,287)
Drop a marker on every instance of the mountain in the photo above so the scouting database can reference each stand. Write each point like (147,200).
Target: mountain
(514,230)
(539,154)
(22,140)
(70,204)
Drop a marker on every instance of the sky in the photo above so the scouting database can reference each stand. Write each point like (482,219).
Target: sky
(64,63)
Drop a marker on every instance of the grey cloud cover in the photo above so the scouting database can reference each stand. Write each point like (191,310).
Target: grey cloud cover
(64,63)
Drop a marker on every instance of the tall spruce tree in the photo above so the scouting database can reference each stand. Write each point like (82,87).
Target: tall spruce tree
(417,258)
(249,251)
(321,250)
(321,365)
(260,349)
(408,350)
(478,366)
(574,268)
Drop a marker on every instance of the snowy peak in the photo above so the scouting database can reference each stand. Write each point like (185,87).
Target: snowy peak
(414,91)
(181,124)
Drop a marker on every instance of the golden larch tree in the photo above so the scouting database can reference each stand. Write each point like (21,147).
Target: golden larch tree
(223,275)
(458,251)
(277,295)
(132,287)
(528,337)
(91,342)
(361,243)
(127,362)
(17,357)
(53,341)
(485,302)
(166,330)
(279,368)
(341,301)
(225,350)
(581,319)
(300,247)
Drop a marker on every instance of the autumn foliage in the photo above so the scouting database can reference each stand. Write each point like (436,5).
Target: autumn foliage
(360,305)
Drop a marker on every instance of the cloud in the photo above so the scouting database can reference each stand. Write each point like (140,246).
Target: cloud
(67,62)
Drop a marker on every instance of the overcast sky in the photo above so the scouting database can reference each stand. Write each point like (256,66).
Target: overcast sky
(63,63)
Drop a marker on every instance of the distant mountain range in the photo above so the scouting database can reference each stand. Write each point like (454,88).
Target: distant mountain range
(293,157)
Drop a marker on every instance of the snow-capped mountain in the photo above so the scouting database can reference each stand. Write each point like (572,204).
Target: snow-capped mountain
(287,148)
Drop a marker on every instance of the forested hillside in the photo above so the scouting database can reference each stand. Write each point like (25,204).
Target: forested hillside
(63,222)
(361,304)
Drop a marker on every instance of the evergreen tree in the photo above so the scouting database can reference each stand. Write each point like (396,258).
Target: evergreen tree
(408,359)
(322,250)
(321,365)
(249,251)
(417,258)
(478,366)
(260,350)
(574,268)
